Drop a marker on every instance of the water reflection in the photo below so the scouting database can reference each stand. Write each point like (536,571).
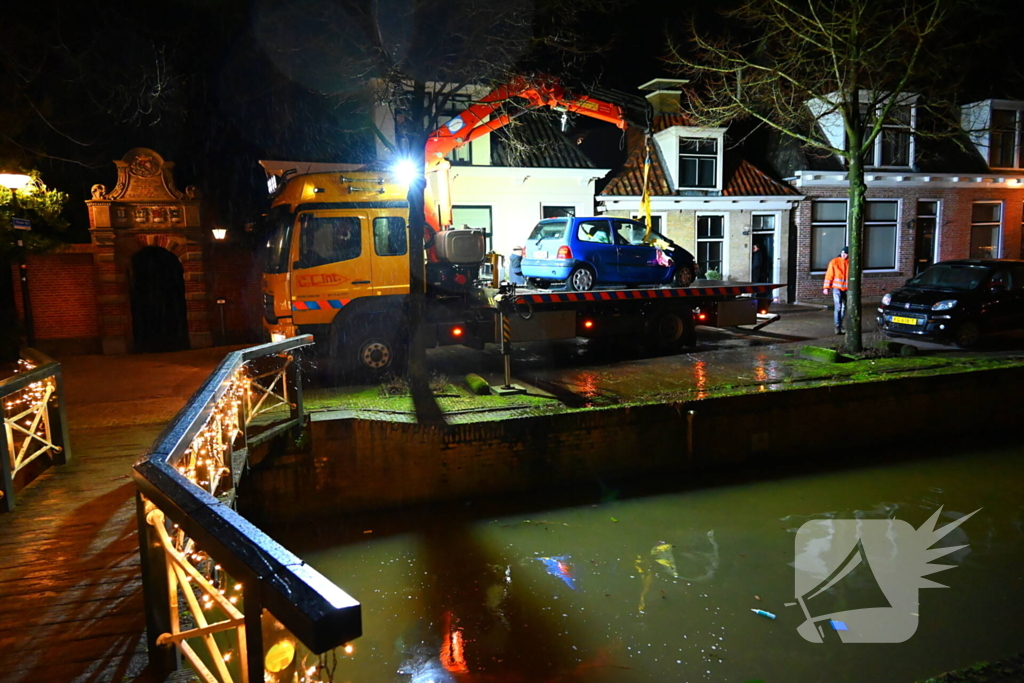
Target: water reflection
(700,374)
(661,587)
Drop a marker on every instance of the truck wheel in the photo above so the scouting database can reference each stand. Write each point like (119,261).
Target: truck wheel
(683,277)
(370,349)
(581,279)
(668,331)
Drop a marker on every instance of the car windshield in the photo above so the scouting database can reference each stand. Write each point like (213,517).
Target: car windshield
(951,276)
(549,230)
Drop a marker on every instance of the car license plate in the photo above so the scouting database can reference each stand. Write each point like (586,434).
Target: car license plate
(905,321)
(542,255)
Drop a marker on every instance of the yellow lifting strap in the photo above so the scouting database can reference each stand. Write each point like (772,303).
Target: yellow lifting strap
(645,197)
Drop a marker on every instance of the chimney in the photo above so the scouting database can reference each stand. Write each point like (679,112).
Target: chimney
(664,94)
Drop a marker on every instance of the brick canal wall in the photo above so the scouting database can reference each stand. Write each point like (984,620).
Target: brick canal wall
(359,464)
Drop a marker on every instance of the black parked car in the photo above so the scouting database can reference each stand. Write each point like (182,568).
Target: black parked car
(957,301)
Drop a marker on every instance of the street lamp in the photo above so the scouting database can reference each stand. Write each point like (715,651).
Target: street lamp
(15,182)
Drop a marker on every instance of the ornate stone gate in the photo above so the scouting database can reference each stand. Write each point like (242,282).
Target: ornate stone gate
(145,209)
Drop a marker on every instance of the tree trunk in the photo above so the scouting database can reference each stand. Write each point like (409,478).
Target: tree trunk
(858,190)
(427,410)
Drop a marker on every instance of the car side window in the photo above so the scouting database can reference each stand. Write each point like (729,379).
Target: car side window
(1017,277)
(594,231)
(1000,278)
(631,233)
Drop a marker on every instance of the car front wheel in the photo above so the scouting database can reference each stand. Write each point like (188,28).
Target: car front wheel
(967,335)
(581,279)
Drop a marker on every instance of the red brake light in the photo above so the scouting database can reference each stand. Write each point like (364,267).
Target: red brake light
(564,252)
(702,316)
(588,324)
(457,331)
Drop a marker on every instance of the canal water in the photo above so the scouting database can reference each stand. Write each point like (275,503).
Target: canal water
(657,581)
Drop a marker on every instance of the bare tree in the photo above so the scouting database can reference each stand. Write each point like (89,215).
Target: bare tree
(414,57)
(795,63)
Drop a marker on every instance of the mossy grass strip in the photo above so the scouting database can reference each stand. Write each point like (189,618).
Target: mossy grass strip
(477,384)
(821,355)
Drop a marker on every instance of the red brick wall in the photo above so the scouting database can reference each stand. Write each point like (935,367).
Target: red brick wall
(954,231)
(235,276)
(62,290)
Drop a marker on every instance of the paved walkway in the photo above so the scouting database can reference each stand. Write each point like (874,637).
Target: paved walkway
(71,606)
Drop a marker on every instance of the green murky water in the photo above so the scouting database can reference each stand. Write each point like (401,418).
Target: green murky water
(660,587)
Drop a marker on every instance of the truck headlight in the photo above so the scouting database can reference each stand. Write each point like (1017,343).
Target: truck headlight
(944,305)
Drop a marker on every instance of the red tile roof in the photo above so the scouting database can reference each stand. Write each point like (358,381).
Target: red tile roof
(742,178)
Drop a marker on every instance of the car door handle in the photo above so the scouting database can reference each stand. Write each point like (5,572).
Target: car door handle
(360,282)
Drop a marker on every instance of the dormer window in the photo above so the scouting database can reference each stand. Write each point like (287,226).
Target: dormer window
(894,146)
(698,163)
(1005,139)
(995,128)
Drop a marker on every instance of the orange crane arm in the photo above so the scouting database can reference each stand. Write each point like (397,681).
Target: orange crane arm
(544,91)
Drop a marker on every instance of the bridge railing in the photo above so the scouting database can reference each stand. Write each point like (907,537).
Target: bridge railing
(218,591)
(35,426)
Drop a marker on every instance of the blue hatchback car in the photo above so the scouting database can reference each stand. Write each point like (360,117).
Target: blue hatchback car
(586,252)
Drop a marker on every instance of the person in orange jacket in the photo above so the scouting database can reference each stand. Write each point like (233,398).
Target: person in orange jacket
(837,279)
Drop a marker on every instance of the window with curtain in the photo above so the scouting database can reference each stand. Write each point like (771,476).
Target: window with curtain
(828,232)
(986,219)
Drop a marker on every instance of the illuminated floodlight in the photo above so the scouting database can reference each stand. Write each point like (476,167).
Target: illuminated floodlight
(405,171)
(219,233)
(14,181)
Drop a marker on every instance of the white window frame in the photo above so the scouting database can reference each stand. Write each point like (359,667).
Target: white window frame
(999,226)
(663,215)
(724,215)
(1018,137)
(776,258)
(668,142)
(846,230)
(938,225)
(876,151)
(896,235)
(845,224)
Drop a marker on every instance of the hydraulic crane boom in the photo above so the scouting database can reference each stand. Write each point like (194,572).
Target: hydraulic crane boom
(474,122)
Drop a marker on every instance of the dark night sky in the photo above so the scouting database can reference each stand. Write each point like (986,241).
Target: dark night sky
(85,82)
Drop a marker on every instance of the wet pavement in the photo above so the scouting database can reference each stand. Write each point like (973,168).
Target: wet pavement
(583,372)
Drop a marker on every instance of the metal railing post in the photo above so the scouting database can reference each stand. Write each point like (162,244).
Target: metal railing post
(253,602)
(295,379)
(58,414)
(6,465)
(155,584)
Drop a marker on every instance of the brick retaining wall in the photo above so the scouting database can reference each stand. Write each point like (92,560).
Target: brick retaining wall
(366,464)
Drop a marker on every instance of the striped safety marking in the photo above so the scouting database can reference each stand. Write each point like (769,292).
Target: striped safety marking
(319,304)
(623,295)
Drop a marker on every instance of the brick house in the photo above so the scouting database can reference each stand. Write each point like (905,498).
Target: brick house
(928,200)
(704,196)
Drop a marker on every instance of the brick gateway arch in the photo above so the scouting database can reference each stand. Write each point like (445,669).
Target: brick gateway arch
(146,210)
